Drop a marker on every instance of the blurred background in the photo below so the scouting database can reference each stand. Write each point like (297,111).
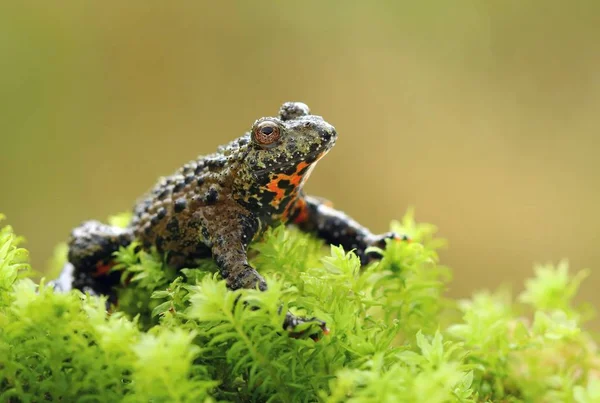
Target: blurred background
(483,115)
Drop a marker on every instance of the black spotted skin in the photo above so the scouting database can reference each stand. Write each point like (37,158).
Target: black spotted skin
(217,204)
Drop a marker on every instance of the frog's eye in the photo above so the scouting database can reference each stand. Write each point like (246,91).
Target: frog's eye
(266,133)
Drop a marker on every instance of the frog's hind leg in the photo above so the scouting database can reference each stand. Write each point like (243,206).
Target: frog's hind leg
(91,249)
(313,215)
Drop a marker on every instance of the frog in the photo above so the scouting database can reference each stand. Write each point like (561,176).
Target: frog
(216,205)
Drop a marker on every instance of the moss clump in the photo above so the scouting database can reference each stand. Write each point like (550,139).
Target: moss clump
(181,336)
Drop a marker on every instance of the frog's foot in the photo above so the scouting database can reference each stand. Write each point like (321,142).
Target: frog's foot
(70,279)
(247,278)
(379,241)
(299,327)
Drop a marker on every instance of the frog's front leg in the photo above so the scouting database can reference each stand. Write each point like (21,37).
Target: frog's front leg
(229,239)
(315,215)
(228,236)
(230,256)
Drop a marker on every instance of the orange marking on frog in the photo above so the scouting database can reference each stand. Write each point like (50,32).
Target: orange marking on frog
(273,187)
(102,268)
(403,238)
(286,212)
(303,212)
(295,180)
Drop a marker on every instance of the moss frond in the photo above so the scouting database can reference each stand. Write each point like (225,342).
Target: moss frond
(183,336)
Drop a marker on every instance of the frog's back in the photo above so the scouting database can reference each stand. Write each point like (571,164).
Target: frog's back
(170,216)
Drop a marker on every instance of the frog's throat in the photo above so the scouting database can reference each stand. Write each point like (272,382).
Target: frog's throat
(286,186)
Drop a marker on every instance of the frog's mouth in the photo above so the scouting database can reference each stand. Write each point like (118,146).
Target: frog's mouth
(309,159)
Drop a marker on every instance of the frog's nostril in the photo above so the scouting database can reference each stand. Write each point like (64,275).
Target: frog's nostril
(328,134)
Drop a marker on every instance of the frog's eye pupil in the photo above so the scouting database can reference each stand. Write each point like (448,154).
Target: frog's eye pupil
(266,133)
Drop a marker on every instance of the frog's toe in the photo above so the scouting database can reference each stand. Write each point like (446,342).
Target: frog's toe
(300,327)
(380,240)
(403,237)
(248,279)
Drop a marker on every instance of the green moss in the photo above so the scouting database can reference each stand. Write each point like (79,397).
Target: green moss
(182,336)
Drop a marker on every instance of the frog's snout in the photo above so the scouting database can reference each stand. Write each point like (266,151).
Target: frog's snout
(328,134)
